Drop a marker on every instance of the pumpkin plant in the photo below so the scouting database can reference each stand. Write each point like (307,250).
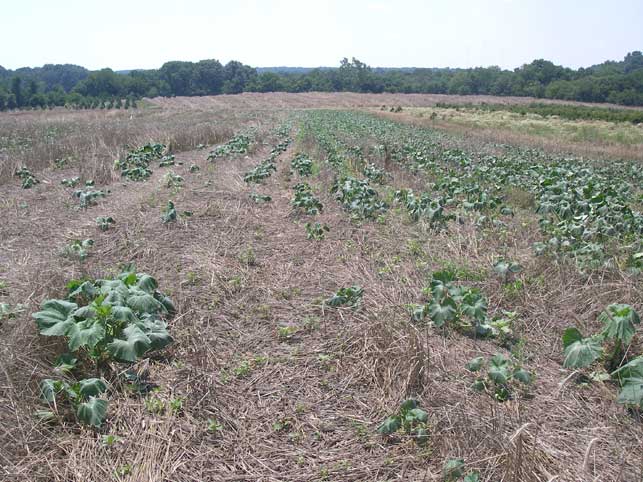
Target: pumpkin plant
(351,296)
(501,375)
(104,321)
(409,418)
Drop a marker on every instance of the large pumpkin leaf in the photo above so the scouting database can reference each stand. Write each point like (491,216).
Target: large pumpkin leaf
(474,305)
(115,290)
(619,320)
(631,369)
(390,425)
(123,313)
(147,283)
(92,412)
(156,331)
(499,369)
(133,344)
(86,333)
(91,387)
(631,392)
(143,302)
(442,312)
(581,352)
(56,317)
(50,388)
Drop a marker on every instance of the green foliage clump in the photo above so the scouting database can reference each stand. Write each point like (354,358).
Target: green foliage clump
(302,164)
(316,231)
(78,249)
(169,213)
(351,296)
(262,171)
(27,178)
(136,164)
(411,419)
(239,144)
(88,197)
(104,321)
(260,198)
(104,222)
(501,375)
(358,197)
(72,182)
(305,199)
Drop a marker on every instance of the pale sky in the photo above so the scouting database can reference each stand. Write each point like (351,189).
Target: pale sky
(432,33)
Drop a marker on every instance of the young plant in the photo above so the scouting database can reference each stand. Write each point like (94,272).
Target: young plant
(82,396)
(316,231)
(27,178)
(351,296)
(500,378)
(88,197)
(167,161)
(619,322)
(169,213)
(506,268)
(117,320)
(104,222)
(260,172)
(171,180)
(78,249)
(260,198)
(136,164)
(302,164)
(410,419)
(72,182)
(455,468)
(305,200)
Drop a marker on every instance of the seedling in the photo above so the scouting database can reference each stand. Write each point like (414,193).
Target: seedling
(502,373)
(316,231)
(410,419)
(351,296)
(104,222)
(169,213)
(27,178)
(305,200)
(506,268)
(72,182)
(78,249)
(260,198)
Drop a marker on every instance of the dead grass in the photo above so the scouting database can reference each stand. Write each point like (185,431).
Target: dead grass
(306,406)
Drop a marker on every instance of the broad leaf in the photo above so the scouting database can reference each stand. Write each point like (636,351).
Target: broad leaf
(523,376)
(418,415)
(147,284)
(408,404)
(133,344)
(390,425)
(156,331)
(499,369)
(86,333)
(65,363)
(475,364)
(582,353)
(56,317)
(442,312)
(570,336)
(91,387)
(50,388)
(453,469)
(631,369)
(143,302)
(632,392)
(92,412)
(474,306)
(619,320)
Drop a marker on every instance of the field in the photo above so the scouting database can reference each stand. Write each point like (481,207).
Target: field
(336,292)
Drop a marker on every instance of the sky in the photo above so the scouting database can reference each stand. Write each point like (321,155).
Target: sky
(382,33)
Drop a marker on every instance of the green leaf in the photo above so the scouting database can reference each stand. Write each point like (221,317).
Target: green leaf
(472,477)
(86,333)
(474,306)
(499,369)
(123,313)
(92,412)
(143,302)
(50,388)
(619,321)
(390,425)
(91,387)
(56,317)
(453,469)
(147,284)
(523,376)
(582,353)
(408,404)
(156,331)
(475,364)
(65,363)
(570,336)
(134,345)
(632,392)
(418,415)
(442,312)
(632,369)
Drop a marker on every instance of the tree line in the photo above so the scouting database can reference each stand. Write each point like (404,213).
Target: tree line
(618,82)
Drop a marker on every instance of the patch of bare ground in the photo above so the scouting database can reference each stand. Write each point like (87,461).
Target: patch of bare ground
(275,386)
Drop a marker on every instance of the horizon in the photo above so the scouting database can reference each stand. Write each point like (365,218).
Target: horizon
(285,33)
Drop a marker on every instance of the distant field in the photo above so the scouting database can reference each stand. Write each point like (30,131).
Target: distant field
(308,287)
